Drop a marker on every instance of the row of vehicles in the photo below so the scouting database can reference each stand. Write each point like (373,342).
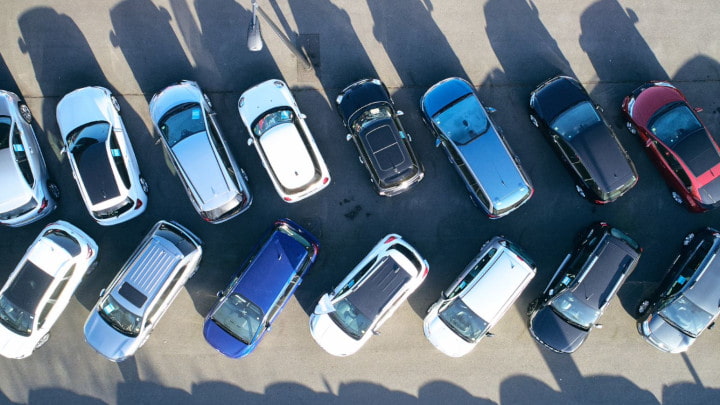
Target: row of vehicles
(105,168)
(344,319)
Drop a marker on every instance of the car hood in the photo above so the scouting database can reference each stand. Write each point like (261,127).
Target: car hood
(360,96)
(551,330)
(443,338)
(14,346)
(224,342)
(83,106)
(665,336)
(197,158)
(14,191)
(263,97)
(444,93)
(107,341)
(331,338)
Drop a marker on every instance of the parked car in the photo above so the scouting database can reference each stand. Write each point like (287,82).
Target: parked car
(678,142)
(373,123)
(687,301)
(27,194)
(479,297)
(346,318)
(40,287)
(131,306)
(282,139)
(582,287)
(101,156)
(259,291)
(476,148)
(188,127)
(585,142)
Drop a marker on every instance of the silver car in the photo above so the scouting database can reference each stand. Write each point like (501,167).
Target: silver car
(186,122)
(27,194)
(101,156)
(131,306)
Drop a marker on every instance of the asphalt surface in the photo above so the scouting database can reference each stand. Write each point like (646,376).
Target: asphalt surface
(505,48)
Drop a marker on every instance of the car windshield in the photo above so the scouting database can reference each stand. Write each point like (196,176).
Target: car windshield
(370,115)
(575,120)
(350,319)
(82,138)
(5,126)
(685,315)
(120,318)
(181,122)
(272,119)
(463,321)
(673,124)
(239,317)
(574,310)
(15,318)
(463,121)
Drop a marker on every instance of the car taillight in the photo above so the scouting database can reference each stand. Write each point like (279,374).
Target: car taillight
(426,270)
(390,239)
(601,202)
(325,180)
(287,198)
(206,219)
(43,205)
(316,249)
(138,204)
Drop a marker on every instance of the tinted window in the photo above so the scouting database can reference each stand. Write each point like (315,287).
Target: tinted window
(239,317)
(119,160)
(181,122)
(463,121)
(463,321)
(575,120)
(673,124)
(62,239)
(685,315)
(272,119)
(350,319)
(368,116)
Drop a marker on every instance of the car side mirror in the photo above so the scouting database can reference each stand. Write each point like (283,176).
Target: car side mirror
(375,332)
(490,110)
(597,107)
(711,326)
(102,292)
(250,141)
(399,113)
(598,325)
(348,137)
(303,116)
(437,142)
(698,109)
(219,293)
(551,292)
(490,334)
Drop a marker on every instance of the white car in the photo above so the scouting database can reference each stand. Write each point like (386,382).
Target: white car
(346,318)
(282,139)
(27,194)
(478,298)
(41,286)
(188,127)
(101,156)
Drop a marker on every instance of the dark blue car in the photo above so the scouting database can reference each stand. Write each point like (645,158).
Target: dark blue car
(259,291)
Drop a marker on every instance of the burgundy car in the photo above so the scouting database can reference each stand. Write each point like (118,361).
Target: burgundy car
(678,142)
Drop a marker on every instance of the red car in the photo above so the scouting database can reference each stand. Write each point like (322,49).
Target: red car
(678,142)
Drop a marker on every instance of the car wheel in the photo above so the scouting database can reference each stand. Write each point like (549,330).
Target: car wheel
(677,197)
(580,191)
(534,121)
(115,103)
(631,128)
(532,306)
(42,340)
(207,100)
(25,113)
(144,185)
(53,190)
(643,307)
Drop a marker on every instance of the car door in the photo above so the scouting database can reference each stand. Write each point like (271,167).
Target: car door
(571,158)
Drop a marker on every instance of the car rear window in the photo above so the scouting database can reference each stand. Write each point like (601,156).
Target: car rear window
(64,240)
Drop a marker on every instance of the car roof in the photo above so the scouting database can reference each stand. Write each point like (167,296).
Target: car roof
(29,286)
(386,149)
(603,157)
(491,292)
(289,157)
(608,265)
(271,269)
(375,292)
(96,172)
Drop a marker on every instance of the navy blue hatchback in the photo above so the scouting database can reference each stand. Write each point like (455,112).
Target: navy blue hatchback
(259,291)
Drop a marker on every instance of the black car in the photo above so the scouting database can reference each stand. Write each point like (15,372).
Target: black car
(688,300)
(583,139)
(562,317)
(368,112)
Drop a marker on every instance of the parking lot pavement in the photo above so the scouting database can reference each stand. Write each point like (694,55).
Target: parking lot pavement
(505,48)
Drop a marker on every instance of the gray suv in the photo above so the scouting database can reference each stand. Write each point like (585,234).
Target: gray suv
(131,306)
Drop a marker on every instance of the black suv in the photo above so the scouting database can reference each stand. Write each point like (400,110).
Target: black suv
(369,115)
(562,317)
(687,301)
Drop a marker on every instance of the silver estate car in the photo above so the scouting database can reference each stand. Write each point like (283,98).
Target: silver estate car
(131,306)
(101,156)
(184,118)
(27,194)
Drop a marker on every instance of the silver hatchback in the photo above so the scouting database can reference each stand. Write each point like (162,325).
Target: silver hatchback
(27,194)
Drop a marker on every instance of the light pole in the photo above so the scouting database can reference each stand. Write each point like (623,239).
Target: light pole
(255,42)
